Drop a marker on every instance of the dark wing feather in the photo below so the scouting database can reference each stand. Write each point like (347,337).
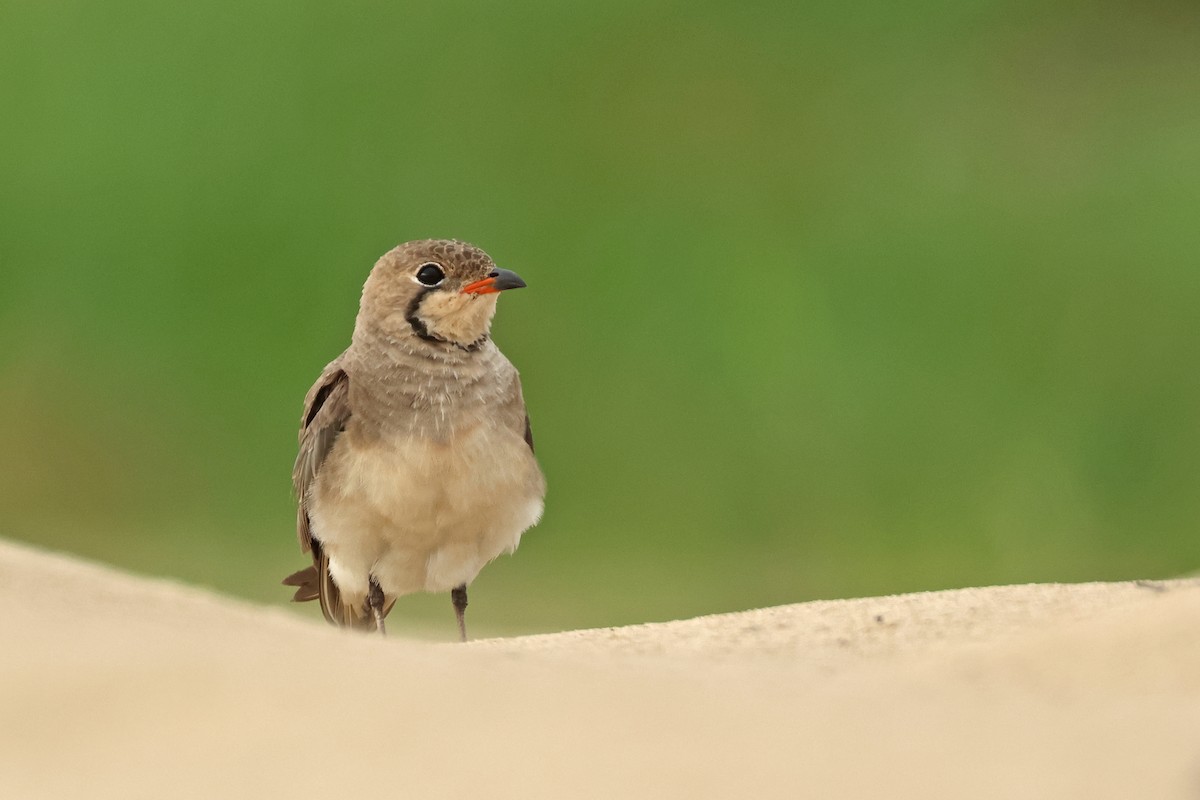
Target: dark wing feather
(326,412)
(528,433)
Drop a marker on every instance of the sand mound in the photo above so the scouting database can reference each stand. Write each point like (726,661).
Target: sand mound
(118,686)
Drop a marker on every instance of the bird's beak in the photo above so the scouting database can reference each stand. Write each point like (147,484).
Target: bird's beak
(497,281)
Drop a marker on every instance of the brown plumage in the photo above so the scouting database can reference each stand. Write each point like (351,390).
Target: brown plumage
(415,465)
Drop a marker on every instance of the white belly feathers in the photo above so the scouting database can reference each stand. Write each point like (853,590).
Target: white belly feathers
(419,515)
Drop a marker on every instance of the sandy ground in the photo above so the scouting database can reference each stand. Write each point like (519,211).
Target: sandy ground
(137,688)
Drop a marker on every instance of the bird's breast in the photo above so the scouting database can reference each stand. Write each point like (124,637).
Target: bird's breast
(428,511)
(448,476)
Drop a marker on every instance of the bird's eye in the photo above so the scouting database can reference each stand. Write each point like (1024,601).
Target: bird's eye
(430,274)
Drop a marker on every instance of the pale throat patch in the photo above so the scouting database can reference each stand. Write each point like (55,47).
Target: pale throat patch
(456,317)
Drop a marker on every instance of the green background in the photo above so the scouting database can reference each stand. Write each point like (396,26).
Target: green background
(826,299)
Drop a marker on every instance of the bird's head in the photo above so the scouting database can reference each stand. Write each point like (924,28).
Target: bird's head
(442,292)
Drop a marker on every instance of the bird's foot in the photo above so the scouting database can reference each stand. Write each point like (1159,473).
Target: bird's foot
(375,602)
(458,596)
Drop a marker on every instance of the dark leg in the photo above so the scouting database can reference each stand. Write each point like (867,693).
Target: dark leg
(375,605)
(459,598)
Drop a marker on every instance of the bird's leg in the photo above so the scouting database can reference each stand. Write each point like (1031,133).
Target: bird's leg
(375,604)
(459,598)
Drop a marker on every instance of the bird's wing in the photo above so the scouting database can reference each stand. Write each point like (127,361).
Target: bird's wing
(326,411)
(513,411)
(529,433)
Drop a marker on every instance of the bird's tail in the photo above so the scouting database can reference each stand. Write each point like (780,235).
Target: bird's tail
(315,583)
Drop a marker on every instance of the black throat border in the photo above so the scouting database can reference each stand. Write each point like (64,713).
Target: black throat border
(422,331)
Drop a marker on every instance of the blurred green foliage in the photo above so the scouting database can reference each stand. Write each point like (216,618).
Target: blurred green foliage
(825,299)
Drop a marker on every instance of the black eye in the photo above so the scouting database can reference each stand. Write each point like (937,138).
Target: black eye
(430,274)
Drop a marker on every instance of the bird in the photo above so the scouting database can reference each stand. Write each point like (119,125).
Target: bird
(416,463)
